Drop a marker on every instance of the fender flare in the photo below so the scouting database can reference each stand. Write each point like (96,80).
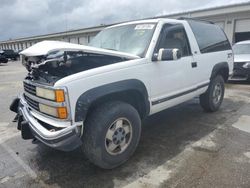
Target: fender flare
(218,67)
(87,98)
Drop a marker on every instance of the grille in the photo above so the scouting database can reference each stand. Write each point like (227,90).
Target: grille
(33,104)
(239,64)
(29,88)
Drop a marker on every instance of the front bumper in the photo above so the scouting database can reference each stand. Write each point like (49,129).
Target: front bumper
(65,139)
(240,73)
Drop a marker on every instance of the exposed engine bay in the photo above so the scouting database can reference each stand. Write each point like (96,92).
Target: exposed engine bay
(47,69)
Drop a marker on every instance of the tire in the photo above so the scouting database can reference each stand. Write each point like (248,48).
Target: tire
(248,78)
(101,134)
(212,99)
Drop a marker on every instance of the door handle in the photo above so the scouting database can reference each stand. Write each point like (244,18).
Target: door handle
(194,64)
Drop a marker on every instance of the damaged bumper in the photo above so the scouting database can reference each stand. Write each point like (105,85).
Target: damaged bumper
(65,139)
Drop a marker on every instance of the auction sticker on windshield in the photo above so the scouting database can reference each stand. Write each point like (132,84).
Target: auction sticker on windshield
(144,26)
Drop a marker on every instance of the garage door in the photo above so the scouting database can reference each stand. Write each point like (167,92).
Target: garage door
(242,25)
(65,39)
(242,30)
(83,40)
(73,40)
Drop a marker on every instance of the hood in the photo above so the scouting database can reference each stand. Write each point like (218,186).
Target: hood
(242,58)
(45,47)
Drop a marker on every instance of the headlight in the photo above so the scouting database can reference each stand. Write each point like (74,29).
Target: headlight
(55,95)
(246,65)
(45,93)
(59,112)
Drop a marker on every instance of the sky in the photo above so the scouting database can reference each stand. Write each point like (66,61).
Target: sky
(24,18)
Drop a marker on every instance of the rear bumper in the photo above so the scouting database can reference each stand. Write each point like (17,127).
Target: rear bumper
(65,139)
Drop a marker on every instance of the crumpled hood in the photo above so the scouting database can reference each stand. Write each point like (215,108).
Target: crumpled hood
(242,58)
(45,47)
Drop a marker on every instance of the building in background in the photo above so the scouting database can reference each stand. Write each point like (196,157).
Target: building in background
(234,19)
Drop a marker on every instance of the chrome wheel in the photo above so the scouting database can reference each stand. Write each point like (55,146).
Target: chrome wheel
(217,93)
(118,136)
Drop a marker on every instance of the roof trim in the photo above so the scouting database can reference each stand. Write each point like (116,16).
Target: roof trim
(204,9)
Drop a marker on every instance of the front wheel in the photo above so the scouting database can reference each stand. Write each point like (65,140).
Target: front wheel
(111,134)
(212,99)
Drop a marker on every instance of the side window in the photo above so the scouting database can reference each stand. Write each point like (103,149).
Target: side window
(174,36)
(210,37)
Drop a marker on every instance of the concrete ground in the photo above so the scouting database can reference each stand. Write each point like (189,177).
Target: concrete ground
(180,147)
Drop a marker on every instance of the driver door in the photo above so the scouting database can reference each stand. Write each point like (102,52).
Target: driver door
(172,78)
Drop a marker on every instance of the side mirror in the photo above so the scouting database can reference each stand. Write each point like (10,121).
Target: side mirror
(167,54)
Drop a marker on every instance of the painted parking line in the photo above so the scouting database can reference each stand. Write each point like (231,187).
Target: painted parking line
(29,171)
(15,176)
(7,133)
(243,123)
(164,172)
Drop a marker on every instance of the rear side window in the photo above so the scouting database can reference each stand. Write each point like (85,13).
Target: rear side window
(9,51)
(210,37)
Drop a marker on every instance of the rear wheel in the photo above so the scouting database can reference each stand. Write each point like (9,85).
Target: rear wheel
(5,61)
(212,99)
(111,134)
(248,78)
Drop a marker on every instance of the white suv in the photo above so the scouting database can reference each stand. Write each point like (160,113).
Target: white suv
(95,96)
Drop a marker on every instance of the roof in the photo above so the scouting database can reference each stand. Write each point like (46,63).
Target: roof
(204,9)
(145,21)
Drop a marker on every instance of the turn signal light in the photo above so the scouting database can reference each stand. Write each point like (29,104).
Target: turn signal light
(60,95)
(62,112)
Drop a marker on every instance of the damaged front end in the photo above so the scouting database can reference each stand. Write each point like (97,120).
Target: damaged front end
(49,61)
(43,109)
(44,114)
(59,64)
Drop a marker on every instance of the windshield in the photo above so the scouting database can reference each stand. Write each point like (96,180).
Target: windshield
(241,49)
(133,38)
